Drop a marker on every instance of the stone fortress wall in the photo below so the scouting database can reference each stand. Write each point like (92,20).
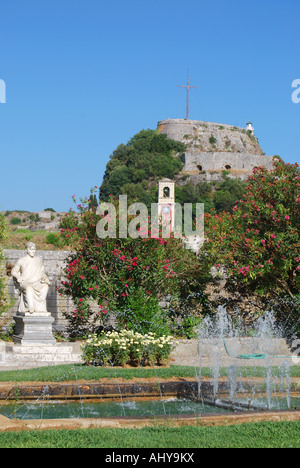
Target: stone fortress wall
(213,148)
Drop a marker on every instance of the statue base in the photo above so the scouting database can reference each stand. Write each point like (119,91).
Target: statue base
(33,329)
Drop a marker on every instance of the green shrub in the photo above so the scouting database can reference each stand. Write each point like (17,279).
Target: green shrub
(127,347)
(15,221)
(54,239)
(143,314)
(188,327)
(212,140)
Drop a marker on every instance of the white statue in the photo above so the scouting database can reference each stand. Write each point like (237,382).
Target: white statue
(32,282)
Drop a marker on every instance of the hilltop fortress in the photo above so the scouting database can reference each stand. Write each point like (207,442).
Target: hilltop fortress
(213,148)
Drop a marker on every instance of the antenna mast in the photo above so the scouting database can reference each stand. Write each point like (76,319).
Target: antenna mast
(188,87)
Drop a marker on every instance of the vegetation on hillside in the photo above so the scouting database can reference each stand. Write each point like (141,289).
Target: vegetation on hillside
(148,156)
(135,168)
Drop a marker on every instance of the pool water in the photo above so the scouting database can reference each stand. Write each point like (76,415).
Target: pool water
(62,409)
(105,409)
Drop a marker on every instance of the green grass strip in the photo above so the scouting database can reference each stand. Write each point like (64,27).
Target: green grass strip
(253,435)
(81,372)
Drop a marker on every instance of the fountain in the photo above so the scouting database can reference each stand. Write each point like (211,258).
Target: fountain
(237,374)
(222,344)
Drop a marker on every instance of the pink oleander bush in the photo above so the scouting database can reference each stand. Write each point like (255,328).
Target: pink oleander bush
(126,278)
(259,242)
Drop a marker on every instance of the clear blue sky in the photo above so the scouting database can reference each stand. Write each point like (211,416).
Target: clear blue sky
(83,76)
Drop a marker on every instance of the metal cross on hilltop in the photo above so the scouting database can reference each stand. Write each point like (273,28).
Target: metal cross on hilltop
(188,87)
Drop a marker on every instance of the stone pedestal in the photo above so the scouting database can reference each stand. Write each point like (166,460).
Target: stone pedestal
(33,329)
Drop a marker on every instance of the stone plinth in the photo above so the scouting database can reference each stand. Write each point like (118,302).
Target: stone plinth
(28,356)
(33,329)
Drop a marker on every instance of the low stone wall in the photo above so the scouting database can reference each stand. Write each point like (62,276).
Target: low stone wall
(54,262)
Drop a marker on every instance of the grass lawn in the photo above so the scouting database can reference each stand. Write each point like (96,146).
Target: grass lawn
(81,372)
(253,435)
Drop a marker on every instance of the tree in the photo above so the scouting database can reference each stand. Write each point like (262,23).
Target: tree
(147,156)
(258,243)
(227,193)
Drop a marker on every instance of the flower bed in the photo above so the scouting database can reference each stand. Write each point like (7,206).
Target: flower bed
(127,348)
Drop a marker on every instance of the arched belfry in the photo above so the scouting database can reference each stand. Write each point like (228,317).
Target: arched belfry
(166,202)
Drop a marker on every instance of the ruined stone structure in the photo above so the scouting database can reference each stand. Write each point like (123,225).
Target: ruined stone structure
(213,148)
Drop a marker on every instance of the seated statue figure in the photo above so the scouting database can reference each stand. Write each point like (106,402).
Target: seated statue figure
(32,282)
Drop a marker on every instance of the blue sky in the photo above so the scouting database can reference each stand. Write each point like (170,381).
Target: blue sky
(83,76)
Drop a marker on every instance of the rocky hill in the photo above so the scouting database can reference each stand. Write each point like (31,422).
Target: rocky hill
(33,221)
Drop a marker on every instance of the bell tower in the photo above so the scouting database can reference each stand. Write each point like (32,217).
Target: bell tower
(166,203)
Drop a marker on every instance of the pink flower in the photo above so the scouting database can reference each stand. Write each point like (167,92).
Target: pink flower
(287,217)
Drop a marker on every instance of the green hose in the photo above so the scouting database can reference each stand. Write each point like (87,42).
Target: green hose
(254,356)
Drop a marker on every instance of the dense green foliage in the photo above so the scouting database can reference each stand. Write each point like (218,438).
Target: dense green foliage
(219,196)
(149,155)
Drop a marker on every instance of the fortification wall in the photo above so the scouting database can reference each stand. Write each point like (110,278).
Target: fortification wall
(213,146)
(219,161)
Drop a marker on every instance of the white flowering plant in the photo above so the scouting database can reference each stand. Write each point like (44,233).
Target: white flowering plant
(127,348)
